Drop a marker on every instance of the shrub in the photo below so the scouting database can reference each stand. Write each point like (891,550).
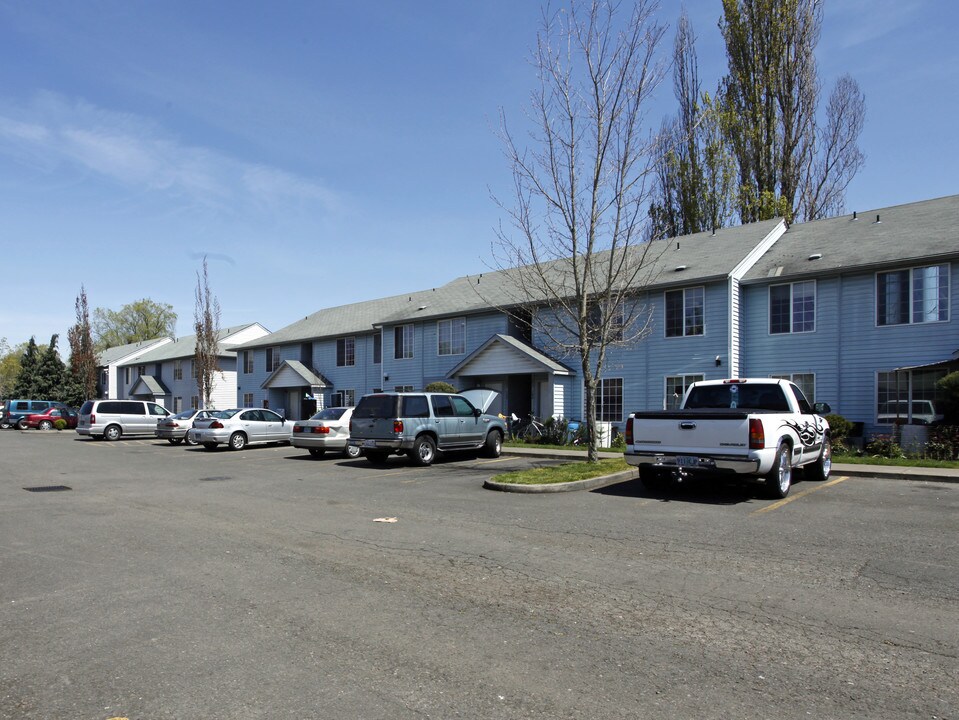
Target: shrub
(60,424)
(943,442)
(619,443)
(884,446)
(439,386)
(839,428)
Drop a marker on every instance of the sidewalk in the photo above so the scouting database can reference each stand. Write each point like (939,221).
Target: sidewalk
(878,471)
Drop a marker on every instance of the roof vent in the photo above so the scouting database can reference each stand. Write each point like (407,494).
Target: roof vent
(679,268)
(815,256)
(854,215)
(878,220)
(422,307)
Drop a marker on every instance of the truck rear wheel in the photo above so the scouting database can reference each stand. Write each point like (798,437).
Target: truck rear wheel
(779,478)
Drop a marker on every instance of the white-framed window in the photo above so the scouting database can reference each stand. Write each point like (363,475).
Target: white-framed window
(617,319)
(685,312)
(177,404)
(195,402)
(247,362)
(908,395)
(272,359)
(804,381)
(451,336)
(177,369)
(402,342)
(247,399)
(917,295)
(193,369)
(403,388)
(676,387)
(609,400)
(266,404)
(346,352)
(792,307)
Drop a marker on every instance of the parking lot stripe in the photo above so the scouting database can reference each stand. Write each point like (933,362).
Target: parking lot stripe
(787,500)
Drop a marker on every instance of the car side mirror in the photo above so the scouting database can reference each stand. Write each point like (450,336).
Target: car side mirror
(821,408)
(477,412)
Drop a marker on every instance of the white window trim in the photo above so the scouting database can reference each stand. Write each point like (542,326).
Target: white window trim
(790,376)
(450,321)
(769,308)
(344,340)
(599,397)
(684,376)
(909,269)
(412,332)
(666,336)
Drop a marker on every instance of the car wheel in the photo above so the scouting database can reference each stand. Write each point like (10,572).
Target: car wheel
(351,452)
(653,480)
(494,444)
(174,441)
(5,425)
(45,425)
(424,451)
(188,441)
(237,441)
(820,469)
(22,424)
(779,478)
(317,452)
(209,446)
(113,432)
(376,457)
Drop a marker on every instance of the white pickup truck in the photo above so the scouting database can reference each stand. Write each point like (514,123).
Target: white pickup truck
(742,427)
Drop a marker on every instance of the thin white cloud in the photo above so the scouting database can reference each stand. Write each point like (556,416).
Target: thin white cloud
(51,131)
(852,23)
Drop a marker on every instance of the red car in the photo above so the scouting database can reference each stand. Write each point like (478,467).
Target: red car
(44,420)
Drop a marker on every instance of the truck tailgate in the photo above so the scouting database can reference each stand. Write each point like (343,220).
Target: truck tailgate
(692,432)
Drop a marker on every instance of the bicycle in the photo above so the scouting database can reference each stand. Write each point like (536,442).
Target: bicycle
(531,429)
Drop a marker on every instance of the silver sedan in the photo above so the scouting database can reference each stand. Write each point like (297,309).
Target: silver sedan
(239,427)
(174,428)
(329,429)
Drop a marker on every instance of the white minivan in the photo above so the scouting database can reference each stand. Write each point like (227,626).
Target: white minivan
(112,419)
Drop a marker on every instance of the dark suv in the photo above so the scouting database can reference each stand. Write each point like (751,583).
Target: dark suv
(421,424)
(15,414)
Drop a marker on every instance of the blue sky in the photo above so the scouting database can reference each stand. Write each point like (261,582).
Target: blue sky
(328,152)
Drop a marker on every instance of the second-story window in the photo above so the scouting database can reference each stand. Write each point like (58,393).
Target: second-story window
(685,312)
(346,352)
(272,359)
(792,307)
(378,348)
(451,336)
(247,362)
(403,342)
(177,369)
(918,295)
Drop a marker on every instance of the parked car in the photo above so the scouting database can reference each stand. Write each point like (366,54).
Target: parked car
(421,424)
(45,420)
(112,419)
(239,427)
(329,429)
(174,428)
(897,411)
(15,414)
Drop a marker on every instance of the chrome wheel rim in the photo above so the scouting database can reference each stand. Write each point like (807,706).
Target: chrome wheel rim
(426,452)
(785,471)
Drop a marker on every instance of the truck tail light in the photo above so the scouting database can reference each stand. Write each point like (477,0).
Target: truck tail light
(629,431)
(757,435)
(398,427)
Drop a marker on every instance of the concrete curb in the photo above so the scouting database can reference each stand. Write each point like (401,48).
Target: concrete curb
(589,484)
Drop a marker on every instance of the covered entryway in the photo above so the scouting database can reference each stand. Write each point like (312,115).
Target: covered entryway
(149,388)
(293,389)
(528,381)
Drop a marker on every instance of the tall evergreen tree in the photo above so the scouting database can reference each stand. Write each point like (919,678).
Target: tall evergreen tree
(51,374)
(25,384)
(83,360)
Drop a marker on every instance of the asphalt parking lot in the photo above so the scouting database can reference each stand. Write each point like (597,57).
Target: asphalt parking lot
(172,582)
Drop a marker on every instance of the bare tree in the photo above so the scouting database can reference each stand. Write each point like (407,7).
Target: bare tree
(576,260)
(206,357)
(83,360)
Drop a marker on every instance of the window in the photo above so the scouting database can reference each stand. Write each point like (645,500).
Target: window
(247,399)
(913,296)
(609,400)
(442,407)
(195,402)
(804,381)
(193,369)
(403,388)
(617,320)
(685,312)
(377,349)
(792,307)
(343,398)
(403,342)
(908,393)
(272,359)
(177,404)
(346,352)
(266,404)
(676,387)
(414,406)
(126,375)
(141,370)
(177,369)
(451,336)
(247,362)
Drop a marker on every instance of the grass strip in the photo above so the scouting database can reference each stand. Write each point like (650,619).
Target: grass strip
(568,472)
(894,462)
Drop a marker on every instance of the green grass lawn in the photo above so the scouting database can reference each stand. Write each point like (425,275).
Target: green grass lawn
(894,462)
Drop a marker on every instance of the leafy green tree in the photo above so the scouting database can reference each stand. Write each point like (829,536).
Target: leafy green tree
(9,367)
(82,381)
(140,320)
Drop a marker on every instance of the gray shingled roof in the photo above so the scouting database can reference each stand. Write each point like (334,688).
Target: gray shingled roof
(150,383)
(185,347)
(705,255)
(920,231)
(117,353)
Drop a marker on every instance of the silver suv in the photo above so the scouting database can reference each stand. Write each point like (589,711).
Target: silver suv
(112,419)
(421,424)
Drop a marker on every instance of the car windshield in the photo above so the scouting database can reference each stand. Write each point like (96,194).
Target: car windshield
(329,414)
